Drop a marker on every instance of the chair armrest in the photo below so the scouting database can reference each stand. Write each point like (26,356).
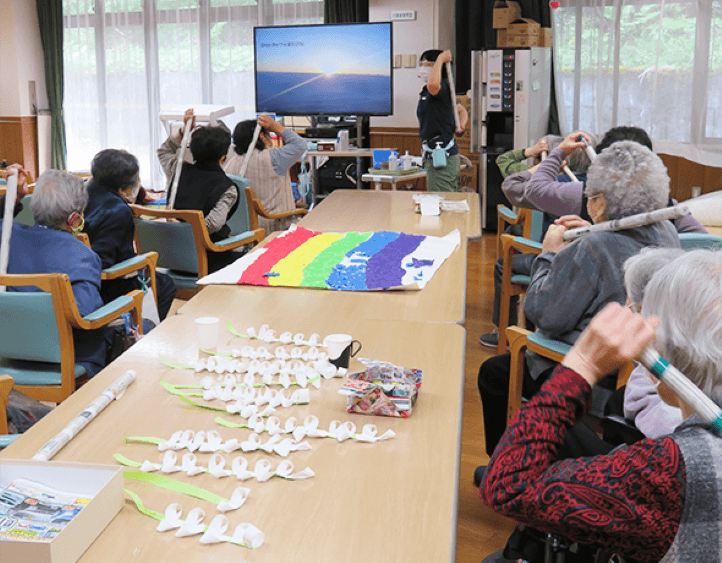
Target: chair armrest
(263,213)
(130,265)
(507,215)
(237,241)
(522,244)
(7,439)
(111,311)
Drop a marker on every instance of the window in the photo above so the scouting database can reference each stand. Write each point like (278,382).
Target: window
(650,64)
(126,60)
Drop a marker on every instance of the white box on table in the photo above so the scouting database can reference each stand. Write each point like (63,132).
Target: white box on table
(102,482)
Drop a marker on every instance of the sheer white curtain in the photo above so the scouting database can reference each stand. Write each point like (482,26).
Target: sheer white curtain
(650,64)
(126,60)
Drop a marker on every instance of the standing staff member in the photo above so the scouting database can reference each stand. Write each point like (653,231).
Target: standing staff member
(436,122)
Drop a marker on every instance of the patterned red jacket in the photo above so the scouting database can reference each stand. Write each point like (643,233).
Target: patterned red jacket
(629,501)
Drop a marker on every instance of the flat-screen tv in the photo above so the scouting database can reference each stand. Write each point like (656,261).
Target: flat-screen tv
(341,69)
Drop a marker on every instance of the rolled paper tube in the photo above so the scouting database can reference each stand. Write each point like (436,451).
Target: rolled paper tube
(115,391)
(11,193)
(244,165)
(591,153)
(667,213)
(569,173)
(544,155)
(179,164)
(682,387)
(452,87)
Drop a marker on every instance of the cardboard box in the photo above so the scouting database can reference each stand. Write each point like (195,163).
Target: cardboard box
(545,37)
(519,41)
(104,483)
(468,177)
(523,26)
(501,38)
(505,12)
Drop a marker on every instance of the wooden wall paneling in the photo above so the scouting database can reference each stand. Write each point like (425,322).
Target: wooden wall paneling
(399,138)
(19,142)
(685,174)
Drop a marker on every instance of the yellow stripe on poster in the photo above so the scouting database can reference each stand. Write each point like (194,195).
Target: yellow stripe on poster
(290,269)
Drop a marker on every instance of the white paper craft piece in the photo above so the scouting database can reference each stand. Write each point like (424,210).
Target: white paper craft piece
(285,470)
(341,432)
(193,524)
(169,462)
(248,534)
(216,529)
(240,469)
(171,520)
(188,465)
(238,498)
(149,467)
(369,434)
(216,467)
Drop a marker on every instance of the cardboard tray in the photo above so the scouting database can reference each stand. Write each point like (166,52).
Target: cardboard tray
(103,482)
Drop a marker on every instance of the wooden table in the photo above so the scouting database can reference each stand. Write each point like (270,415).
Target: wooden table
(351,210)
(390,501)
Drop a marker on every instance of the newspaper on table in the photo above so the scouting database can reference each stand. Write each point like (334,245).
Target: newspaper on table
(31,511)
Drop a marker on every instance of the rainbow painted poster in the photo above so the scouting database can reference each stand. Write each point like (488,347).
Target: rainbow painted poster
(342,261)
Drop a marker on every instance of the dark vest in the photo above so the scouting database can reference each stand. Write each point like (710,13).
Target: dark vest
(200,187)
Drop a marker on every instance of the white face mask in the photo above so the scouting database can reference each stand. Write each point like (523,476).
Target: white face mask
(425,73)
(133,194)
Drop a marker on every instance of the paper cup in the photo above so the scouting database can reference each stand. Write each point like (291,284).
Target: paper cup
(207,332)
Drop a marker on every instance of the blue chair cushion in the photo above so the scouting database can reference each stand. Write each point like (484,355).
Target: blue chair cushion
(521,280)
(35,373)
(549,344)
(231,240)
(506,212)
(690,241)
(527,242)
(7,439)
(183,280)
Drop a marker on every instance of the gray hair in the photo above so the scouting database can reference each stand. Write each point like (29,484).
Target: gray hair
(553,141)
(579,161)
(686,295)
(56,196)
(640,268)
(631,178)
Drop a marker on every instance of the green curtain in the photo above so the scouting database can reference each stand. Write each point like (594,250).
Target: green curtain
(346,11)
(50,18)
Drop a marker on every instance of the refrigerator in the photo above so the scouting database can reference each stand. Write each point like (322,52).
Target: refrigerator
(510,97)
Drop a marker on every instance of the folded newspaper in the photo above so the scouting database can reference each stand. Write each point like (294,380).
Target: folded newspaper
(34,512)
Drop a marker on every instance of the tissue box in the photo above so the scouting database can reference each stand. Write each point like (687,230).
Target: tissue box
(100,485)
(383,389)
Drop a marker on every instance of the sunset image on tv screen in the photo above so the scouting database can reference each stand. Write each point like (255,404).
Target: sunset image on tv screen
(338,69)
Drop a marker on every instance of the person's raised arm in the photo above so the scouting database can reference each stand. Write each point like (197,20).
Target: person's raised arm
(286,156)
(168,151)
(434,83)
(546,193)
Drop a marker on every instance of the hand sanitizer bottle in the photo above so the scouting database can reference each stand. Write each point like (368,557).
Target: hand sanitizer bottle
(406,161)
(393,162)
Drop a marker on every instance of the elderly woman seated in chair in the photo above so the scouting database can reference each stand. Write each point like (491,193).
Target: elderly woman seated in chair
(50,247)
(571,282)
(109,223)
(658,499)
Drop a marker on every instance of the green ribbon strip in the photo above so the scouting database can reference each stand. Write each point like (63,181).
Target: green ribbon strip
(125,461)
(229,355)
(227,424)
(173,485)
(141,507)
(174,366)
(158,516)
(142,440)
(234,332)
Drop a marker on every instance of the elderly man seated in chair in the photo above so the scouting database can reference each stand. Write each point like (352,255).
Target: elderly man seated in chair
(50,247)
(571,282)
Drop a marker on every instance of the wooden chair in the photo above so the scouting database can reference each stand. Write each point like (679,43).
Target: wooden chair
(521,339)
(37,350)
(6,385)
(245,219)
(181,240)
(133,264)
(532,222)
(512,284)
(256,208)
